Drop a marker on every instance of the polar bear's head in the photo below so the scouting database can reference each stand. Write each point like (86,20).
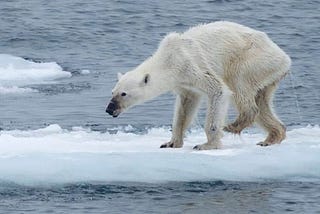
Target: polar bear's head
(131,89)
(150,79)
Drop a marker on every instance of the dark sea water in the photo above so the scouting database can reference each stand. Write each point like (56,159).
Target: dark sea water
(106,37)
(191,197)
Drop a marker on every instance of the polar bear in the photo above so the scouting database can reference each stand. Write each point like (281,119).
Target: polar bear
(219,60)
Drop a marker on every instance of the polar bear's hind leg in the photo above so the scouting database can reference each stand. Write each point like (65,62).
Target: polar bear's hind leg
(267,119)
(248,110)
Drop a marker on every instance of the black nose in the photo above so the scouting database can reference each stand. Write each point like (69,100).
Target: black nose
(111,108)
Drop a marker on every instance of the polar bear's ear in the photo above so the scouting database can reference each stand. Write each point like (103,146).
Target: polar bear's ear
(119,75)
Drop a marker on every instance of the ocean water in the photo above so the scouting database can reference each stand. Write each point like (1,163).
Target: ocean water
(61,153)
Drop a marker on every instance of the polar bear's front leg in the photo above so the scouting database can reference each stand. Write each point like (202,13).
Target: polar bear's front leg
(187,103)
(216,113)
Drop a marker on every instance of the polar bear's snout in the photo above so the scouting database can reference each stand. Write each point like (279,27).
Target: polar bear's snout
(113,108)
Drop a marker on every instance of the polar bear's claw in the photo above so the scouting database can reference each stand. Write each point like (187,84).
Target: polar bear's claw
(197,147)
(167,145)
(171,145)
(264,144)
(267,143)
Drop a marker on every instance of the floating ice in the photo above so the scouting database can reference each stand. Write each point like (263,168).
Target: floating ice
(16,72)
(16,90)
(55,155)
(85,71)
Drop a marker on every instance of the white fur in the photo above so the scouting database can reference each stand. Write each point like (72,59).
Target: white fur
(214,60)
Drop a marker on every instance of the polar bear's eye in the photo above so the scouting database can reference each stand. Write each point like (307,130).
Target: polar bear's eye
(146,79)
(123,94)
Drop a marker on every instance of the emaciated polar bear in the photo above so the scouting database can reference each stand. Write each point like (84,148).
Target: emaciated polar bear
(216,60)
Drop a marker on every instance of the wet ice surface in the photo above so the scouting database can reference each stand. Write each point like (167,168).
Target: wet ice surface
(91,163)
(55,155)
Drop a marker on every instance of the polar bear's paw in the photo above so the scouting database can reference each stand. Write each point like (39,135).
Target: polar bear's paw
(232,129)
(208,146)
(171,145)
(267,143)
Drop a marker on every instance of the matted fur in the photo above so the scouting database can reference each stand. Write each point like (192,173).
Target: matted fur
(218,60)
